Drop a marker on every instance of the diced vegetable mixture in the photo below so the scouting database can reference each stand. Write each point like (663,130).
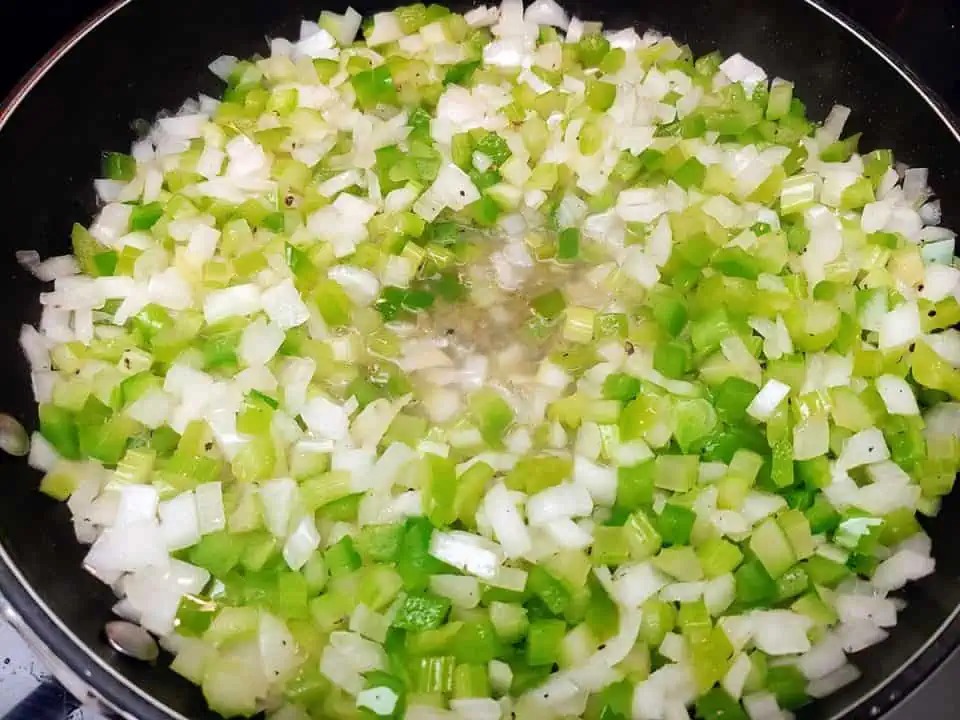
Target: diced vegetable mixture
(502,365)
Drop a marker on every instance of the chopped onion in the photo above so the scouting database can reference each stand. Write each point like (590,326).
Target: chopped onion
(829,684)
(302,542)
(856,636)
(179,524)
(901,568)
(867,446)
(469,553)
(562,501)
(634,584)
(506,521)
(780,632)
(547,12)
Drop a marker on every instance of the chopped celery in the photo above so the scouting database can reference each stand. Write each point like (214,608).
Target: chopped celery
(680,562)
(719,557)
(643,537)
(676,472)
(544,639)
(492,414)
(771,547)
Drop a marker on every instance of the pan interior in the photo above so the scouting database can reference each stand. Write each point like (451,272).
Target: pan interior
(150,55)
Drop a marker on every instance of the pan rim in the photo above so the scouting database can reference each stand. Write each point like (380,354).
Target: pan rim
(55,632)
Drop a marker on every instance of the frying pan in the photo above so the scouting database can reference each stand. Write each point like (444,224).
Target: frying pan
(136,58)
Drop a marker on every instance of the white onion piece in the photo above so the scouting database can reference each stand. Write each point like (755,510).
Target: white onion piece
(561,501)
(899,326)
(634,584)
(301,543)
(210,511)
(506,521)
(547,12)
(231,302)
(900,568)
(856,636)
(178,521)
(762,706)
(736,677)
(867,446)
(780,632)
(278,498)
(897,395)
(469,553)
(767,400)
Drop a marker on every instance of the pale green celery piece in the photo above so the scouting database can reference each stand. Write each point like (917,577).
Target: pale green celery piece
(642,536)
(695,419)
(135,466)
(543,177)
(814,607)
(778,102)
(680,562)
(507,196)
(322,489)
(315,573)
(636,665)
(68,357)
(192,658)
(676,472)
(509,620)
(307,463)
(233,624)
(772,548)
(71,393)
(798,193)
(849,411)
(797,529)
(745,464)
(604,412)
(246,515)
(577,646)
(60,482)
(572,567)
(282,101)
(732,490)
(229,686)
(414,252)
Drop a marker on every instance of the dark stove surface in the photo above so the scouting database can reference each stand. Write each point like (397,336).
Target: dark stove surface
(924,33)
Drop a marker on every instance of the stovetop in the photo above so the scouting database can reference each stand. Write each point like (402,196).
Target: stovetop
(925,34)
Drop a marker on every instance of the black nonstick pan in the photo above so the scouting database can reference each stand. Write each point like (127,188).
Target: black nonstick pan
(137,57)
